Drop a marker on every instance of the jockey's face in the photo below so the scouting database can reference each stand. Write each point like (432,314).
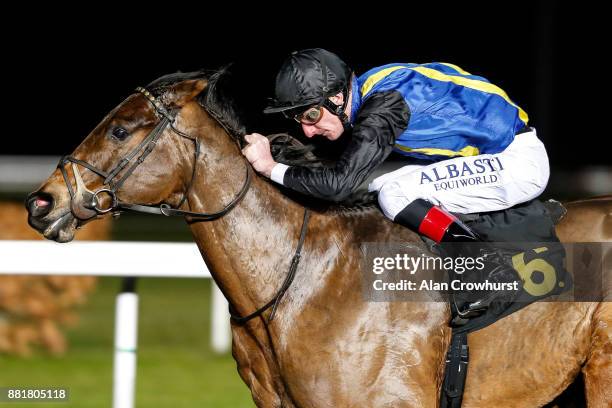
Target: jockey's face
(330,126)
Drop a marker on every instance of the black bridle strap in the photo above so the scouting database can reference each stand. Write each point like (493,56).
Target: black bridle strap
(69,159)
(165,209)
(274,302)
(148,144)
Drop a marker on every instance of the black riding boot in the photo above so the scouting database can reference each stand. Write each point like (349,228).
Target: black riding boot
(435,223)
(444,228)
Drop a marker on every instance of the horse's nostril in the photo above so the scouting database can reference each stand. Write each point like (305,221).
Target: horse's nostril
(39,204)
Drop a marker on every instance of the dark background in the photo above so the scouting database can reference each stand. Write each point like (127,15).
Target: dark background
(67,70)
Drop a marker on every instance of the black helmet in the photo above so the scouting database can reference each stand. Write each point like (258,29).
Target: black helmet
(309,77)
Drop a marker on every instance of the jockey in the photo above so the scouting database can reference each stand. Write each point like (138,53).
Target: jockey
(470,146)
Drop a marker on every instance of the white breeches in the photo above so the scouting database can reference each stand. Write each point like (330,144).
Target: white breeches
(487,182)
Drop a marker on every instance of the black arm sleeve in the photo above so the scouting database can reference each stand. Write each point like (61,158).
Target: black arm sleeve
(381,119)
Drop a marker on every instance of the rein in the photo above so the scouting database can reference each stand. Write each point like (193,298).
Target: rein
(91,199)
(273,303)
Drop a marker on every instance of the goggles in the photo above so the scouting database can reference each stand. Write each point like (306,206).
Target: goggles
(313,114)
(310,116)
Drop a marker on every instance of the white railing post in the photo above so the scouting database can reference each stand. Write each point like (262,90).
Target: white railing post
(220,324)
(126,341)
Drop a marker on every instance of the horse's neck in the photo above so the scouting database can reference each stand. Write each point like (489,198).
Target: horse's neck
(248,250)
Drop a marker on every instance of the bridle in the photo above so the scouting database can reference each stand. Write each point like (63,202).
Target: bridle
(112,183)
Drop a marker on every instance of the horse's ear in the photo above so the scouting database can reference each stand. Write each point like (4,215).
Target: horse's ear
(183,92)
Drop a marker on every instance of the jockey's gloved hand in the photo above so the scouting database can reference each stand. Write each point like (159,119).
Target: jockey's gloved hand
(258,153)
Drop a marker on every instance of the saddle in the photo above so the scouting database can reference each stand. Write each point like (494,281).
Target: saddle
(525,238)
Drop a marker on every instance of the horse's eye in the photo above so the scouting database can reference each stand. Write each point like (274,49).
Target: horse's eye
(120,133)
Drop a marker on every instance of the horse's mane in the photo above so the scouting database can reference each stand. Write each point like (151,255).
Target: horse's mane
(218,100)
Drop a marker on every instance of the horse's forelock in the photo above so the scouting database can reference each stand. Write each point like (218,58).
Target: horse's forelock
(216,98)
(164,83)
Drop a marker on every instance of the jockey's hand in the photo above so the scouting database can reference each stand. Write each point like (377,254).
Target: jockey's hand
(258,153)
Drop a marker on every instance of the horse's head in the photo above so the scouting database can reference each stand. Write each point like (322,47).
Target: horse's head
(139,153)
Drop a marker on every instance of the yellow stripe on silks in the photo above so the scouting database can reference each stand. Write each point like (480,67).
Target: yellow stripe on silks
(473,84)
(437,75)
(465,152)
(376,78)
(456,68)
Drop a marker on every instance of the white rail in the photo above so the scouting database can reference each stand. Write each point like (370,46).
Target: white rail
(24,173)
(103,258)
(127,259)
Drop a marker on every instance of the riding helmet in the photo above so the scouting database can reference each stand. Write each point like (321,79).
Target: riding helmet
(307,78)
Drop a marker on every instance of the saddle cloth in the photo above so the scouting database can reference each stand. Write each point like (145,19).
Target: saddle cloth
(525,236)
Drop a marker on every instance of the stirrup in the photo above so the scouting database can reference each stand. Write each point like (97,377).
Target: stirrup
(471,310)
(478,307)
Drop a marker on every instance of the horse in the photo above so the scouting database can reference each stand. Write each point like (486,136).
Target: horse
(326,346)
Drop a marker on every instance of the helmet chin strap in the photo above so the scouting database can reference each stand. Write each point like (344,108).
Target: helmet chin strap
(338,110)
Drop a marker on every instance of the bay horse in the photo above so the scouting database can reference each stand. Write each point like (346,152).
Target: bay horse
(326,347)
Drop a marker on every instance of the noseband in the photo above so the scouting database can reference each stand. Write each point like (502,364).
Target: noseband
(112,182)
